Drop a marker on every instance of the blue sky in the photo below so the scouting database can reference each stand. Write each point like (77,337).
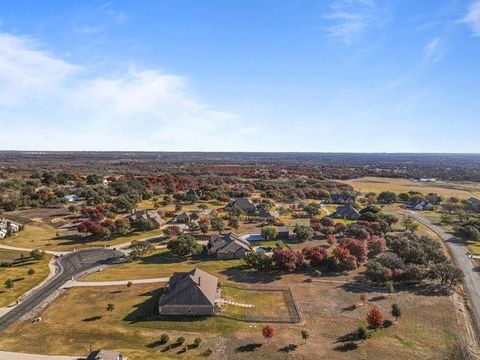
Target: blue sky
(246,75)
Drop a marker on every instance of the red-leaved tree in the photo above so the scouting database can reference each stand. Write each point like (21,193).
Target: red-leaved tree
(375,318)
(267,332)
(357,248)
(288,259)
(317,255)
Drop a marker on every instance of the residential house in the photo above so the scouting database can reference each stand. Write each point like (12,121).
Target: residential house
(243,205)
(106,355)
(228,246)
(190,293)
(151,215)
(420,205)
(427,180)
(197,193)
(268,214)
(283,233)
(8,225)
(347,212)
(182,217)
(3,234)
(474,204)
(340,199)
(70,198)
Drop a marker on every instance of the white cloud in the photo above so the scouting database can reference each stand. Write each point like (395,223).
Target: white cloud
(434,50)
(350,18)
(59,105)
(473,17)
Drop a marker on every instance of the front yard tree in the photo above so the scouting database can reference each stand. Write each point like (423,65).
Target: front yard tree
(234,222)
(303,232)
(396,312)
(267,332)
(217,224)
(31,271)
(184,245)
(129,284)
(269,232)
(375,318)
(305,335)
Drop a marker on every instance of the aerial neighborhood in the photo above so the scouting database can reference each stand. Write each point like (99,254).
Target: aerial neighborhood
(184,263)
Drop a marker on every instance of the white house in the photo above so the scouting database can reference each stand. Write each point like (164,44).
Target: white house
(3,233)
(70,198)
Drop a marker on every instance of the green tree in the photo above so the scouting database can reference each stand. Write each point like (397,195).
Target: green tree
(305,335)
(387,197)
(129,284)
(303,232)
(8,284)
(184,245)
(110,308)
(269,232)
(396,312)
(197,342)
(217,224)
(410,224)
(164,338)
(31,272)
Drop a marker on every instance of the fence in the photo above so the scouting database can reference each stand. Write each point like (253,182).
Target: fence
(292,308)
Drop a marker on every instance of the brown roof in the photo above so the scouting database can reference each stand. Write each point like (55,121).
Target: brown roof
(195,287)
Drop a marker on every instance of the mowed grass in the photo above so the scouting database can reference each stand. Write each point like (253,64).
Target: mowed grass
(265,303)
(38,235)
(462,190)
(161,264)
(19,275)
(79,319)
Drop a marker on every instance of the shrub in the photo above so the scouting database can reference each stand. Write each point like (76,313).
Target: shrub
(375,318)
(376,272)
(164,338)
(180,341)
(362,332)
(197,342)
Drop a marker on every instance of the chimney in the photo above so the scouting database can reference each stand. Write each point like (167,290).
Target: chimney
(199,281)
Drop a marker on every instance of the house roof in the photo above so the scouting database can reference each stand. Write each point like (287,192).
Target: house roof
(105,355)
(419,203)
(147,215)
(228,243)
(268,213)
(473,201)
(282,229)
(242,204)
(347,211)
(195,287)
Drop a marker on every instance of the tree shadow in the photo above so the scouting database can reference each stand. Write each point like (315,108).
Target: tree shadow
(377,298)
(92,318)
(147,310)
(349,346)
(242,273)
(349,308)
(248,348)
(288,348)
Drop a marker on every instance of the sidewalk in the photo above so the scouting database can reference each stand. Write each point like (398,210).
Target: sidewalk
(6,355)
(74,283)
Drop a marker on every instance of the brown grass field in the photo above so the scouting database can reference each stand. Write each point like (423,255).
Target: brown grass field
(462,190)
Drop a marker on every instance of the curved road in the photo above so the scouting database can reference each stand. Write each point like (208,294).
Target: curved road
(459,253)
(68,266)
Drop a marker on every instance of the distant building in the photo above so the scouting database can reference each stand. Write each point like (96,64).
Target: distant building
(70,198)
(228,246)
(347,212)
(195,193)
(244,205)
(151,215)
(427,180)
(283,233)
(473,201)
(9,226)
(268,214)
(190,293)
(420,205)
(182,217)
(106,355)
(340,199)
(3,234)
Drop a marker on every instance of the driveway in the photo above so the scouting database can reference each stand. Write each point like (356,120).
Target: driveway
(68,266)
(459,253)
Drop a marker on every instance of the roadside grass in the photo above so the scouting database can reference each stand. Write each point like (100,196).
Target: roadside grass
(265,303)
(38,235)
(462,190)
(89,324)
(18,273)
(161,263)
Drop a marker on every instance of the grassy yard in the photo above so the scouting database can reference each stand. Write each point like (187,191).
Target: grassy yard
(461,190)
(90,324)
(160,263)
(19,275)
(262,302)
(37,235)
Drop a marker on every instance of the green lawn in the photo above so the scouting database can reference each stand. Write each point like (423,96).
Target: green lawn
(19,274)
(161,263)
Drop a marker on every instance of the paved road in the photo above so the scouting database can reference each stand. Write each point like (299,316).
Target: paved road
(459,252)
(69,265)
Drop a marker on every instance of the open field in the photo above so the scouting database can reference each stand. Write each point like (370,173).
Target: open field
(462,190)
(331,311)
(19,274)
(37,235)
(160,264)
